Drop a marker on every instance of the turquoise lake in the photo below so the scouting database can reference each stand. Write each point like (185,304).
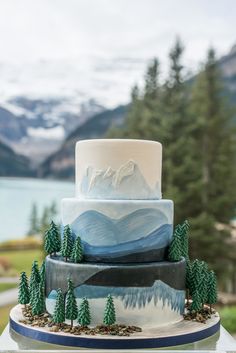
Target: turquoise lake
(17,196)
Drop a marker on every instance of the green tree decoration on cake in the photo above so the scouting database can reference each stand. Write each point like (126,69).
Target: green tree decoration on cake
(175,249)
(195,275)
(34,280)
(42,273)
(196,304)
(202,285)
(23,292)
(109,314)
(184,237)
(77,251)
(211,289)
(71,305)
(67,243)
(38,302)
(84,317)
(188,282)
(59,310)
(52,241)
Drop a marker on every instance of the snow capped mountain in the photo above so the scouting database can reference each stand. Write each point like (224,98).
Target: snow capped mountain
(47,99)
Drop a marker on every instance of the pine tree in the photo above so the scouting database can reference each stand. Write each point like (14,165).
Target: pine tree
(211,289)
(77,251)
(59,310)
(34,222)
(84,318)
(23,293)
(67,243)
(34,280)
(175,249)
(202,286)
(184,238)
(38,303)
(109,314)
(195,275)
(196,304)
(71,311)
(176,137)
(188,283)
(42,273)
(213,151)
(52,242)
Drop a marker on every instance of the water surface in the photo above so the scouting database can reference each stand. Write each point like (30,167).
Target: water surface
(17,196)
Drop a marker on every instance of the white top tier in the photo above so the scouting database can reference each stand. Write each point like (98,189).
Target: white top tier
(118,169)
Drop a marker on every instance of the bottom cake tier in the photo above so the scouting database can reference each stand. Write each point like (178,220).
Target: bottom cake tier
(145,295)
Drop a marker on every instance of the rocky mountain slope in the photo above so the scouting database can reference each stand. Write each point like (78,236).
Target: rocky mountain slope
(36,127)
(61,163)
(12,164)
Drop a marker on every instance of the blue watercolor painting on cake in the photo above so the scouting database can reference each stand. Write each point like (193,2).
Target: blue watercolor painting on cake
(122,183)
(134,297)
(140,231)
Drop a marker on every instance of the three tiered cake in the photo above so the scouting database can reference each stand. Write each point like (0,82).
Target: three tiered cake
(119,269)
(125,228)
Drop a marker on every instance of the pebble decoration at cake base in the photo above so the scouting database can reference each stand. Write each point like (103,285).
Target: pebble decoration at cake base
(118,276)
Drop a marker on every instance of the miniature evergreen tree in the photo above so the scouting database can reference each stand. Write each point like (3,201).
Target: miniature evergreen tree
(175,249)
(195,275)
(110,314)
(38,303)
(23,293)
(67,243)
(188,283)
(52,241)
(84,317)
(71,305)
(196,301)
(59,310)
(34,280)
(184,238)
(202,285)
(42,272)
(77,251)
(211,289)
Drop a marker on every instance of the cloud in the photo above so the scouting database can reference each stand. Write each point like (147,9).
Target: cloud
(46,40)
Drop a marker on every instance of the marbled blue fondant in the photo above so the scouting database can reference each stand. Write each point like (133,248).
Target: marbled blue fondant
(136,297)
(131,186)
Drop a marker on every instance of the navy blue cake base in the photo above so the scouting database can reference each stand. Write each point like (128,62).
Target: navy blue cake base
(181,333)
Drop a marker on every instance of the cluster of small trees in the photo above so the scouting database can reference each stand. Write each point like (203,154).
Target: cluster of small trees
(201,283)
(69,248)
(33,292)
(68,309)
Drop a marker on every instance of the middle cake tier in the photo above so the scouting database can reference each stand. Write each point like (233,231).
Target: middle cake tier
(120,230)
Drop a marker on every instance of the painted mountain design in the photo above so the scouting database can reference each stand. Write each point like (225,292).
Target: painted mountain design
(142,230)
(137,297)
(127,182)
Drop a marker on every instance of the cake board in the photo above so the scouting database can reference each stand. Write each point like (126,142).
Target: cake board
(180,333)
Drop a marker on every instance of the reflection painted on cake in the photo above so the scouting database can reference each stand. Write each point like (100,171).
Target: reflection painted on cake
(122,183)
(135,297)
(145,229)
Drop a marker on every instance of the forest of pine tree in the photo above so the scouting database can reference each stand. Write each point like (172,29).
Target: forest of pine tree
(193,121)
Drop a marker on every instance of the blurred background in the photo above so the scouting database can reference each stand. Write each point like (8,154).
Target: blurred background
(149,69)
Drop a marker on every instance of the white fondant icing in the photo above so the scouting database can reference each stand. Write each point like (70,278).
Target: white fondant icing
(118,169)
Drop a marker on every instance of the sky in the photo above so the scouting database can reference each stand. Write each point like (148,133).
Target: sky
(100,48)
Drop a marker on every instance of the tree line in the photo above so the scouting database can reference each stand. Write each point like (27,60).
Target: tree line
(193,120)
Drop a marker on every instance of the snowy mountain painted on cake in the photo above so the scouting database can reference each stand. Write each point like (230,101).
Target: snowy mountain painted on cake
(122,183)
(137,297)
(140,231)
